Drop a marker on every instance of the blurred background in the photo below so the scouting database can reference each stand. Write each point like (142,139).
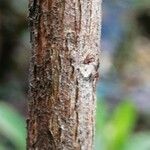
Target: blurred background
(123,92)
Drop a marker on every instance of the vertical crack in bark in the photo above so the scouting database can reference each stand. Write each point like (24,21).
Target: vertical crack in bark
(91,5)
(80,14)
(61,104)
(76,110)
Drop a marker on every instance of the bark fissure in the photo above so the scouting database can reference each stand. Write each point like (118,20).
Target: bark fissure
(63,70)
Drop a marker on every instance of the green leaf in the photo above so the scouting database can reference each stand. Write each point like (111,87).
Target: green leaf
(120,126)
(12,126)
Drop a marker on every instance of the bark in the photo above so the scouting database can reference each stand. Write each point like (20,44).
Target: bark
(65,37)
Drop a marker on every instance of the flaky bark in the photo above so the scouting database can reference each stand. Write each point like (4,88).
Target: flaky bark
(65,37)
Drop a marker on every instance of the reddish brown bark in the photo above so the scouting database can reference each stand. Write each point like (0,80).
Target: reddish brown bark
(63,72)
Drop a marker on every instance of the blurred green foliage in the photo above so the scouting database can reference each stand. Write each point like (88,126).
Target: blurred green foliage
(139,141)
(115,130)
(12,128)
(119,126)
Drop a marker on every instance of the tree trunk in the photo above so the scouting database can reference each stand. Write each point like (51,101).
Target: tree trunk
(65,37)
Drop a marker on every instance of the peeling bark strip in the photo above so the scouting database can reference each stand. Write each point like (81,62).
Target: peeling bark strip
(65,37)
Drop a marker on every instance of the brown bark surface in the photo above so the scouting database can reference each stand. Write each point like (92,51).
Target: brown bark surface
(65,37)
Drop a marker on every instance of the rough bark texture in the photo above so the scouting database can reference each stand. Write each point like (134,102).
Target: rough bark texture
(65,37)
